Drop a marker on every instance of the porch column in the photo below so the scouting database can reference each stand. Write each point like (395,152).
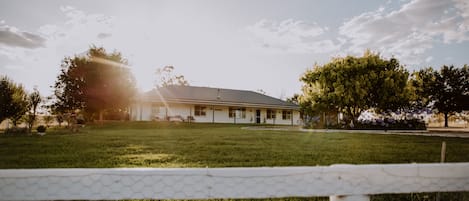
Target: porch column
(213,114)
(189,118)
(140,112)
(291,117)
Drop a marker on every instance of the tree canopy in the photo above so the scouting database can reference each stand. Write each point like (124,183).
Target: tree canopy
(165,77)
(446,91)
(34,99)
(353,84)
(95,82)
(13,100)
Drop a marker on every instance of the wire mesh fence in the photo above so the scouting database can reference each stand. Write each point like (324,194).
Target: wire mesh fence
(205,183)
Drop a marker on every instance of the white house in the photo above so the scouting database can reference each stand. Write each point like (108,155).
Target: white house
(213,105)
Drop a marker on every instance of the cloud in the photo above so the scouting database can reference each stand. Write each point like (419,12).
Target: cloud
(77,32)
(291,36)
(409,31)
(73,35)
(429,59)
(104,35)
(13,37)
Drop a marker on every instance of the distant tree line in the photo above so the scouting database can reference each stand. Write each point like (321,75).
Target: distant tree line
(97,84)
(17,104)
(349,85)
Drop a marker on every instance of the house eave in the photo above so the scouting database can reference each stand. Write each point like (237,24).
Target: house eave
(223,103)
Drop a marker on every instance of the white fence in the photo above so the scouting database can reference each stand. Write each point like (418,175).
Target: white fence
(341,182)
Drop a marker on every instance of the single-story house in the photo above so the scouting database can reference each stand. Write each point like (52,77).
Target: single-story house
(213,105)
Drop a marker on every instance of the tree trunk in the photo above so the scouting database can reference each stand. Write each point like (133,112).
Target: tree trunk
(446,120)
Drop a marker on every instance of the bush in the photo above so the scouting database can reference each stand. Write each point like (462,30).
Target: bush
(16,131)
(391,124)
(41,129)
(80,121)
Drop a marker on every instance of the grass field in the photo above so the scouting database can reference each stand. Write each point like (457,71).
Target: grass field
(219,145)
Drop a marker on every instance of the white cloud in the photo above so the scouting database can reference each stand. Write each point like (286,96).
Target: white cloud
(41,52)
(410,31)
(77,33)
(13,37)
(104,35)
(292,36)
(429,59)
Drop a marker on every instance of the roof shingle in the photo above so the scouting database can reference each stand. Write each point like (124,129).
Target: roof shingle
(215,96)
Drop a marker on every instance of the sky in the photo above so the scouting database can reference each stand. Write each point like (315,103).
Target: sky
(237,44)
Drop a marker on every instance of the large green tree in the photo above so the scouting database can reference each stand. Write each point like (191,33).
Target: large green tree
(96,82)
(13,101)
(446,91)
(353,84)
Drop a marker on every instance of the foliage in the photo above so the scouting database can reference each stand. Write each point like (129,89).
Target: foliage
(14,102)
(446,90)
(353,84)
(95,82)
(306,111)
(60,119)
(6,97)
(48,119)
(16,131)
(165,77)
(41,129)
(33,101)
(390,124)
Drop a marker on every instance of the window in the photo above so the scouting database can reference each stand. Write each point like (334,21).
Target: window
(271,114)
(155,109)
(232,112)
(240,113)
(286,114)
(199,110)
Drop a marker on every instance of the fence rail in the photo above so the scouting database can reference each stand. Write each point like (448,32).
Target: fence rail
(341,182)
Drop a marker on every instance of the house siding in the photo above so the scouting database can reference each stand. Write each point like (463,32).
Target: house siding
(215,114)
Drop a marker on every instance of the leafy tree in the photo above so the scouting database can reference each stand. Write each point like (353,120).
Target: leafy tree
(96,82)
(465,97)
(13,101)
(165,77)
(70,84)
(48,120)
(60,119)
(353,84)
(446,90)
(33,102)
(6,98)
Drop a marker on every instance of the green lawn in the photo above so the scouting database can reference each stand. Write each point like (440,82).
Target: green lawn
(216,145)
(145,144)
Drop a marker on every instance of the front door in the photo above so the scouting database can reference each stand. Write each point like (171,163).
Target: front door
(258,116)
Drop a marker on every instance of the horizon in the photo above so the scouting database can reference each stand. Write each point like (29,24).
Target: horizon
(242,45)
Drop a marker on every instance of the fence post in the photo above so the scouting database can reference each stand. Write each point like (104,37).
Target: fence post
(443,152)
(349,198)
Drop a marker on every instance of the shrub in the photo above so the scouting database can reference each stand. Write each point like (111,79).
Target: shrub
(41,129)
(391,124)
(16,131)
(80,121)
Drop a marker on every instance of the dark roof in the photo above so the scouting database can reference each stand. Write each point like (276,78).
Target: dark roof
(215,96)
